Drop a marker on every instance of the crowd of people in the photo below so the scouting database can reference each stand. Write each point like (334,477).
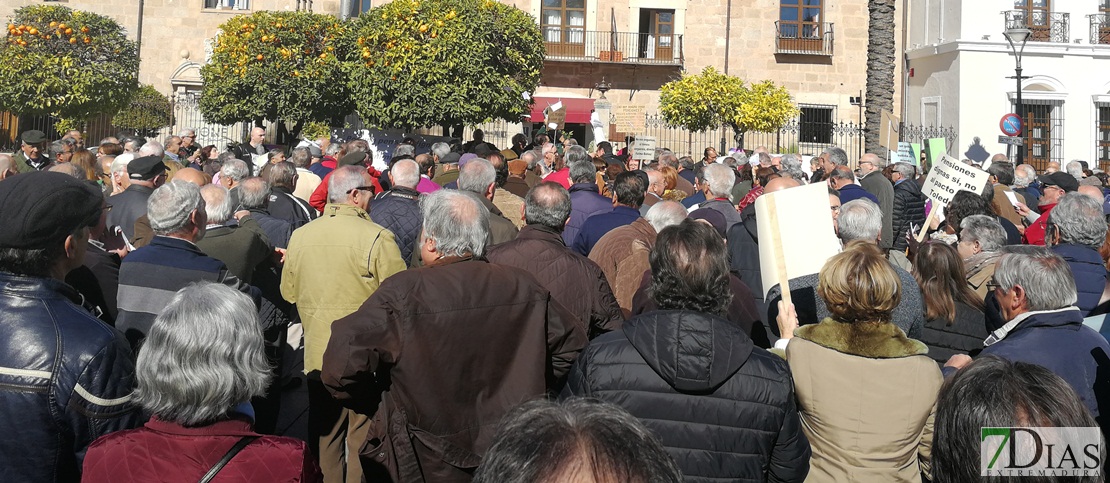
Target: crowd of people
(542,312)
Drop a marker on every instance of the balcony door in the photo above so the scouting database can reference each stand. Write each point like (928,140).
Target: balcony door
(1102,145)
(1104,22)
(1038,134)
(1037,17)
(563,23)
(800,22)
(656,34)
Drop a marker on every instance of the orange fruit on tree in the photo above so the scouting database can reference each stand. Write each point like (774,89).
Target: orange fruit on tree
(258,57)
(73,40)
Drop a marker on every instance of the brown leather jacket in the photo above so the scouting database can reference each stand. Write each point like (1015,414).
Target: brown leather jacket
(449,348)
(623,255)
(574,280)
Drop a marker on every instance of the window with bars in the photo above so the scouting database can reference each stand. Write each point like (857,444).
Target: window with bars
(815,124)
(1044,132)
(228,4)
(1102,141)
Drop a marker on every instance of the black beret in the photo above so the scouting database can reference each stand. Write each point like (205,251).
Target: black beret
(352,159)
(146,168)
(41,208)
(450,158)
(1064,181)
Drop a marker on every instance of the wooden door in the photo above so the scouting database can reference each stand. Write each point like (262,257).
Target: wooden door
(1038,134)
(1103,142)
(800,26)
(1037,18)
(663,28)
(563,24)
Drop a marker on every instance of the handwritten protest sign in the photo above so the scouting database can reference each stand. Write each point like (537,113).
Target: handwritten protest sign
(630,118)
(906,154)
(793,222)
(948,177)
(644,147)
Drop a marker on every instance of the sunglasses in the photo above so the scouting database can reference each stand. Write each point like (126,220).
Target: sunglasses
(361,188)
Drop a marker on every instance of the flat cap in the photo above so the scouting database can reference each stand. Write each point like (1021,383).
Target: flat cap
(145,168)
(1062,180)
(42,208)
(352,159)
(33,136)
(450,158)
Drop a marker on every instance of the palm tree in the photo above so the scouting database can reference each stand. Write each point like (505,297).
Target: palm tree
(880,69)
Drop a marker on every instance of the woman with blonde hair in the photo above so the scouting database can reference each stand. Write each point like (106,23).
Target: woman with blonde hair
(670,181)
(866,392)
(87,162)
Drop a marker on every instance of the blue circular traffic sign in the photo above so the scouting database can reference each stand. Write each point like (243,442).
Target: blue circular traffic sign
(1010,124)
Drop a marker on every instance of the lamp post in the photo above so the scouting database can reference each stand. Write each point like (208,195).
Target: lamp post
(1017,36)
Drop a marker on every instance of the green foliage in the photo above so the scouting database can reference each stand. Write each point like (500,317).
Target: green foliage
(147,112)
(315,130)
(67,63)
(276,65)
(432,62)
(711,99)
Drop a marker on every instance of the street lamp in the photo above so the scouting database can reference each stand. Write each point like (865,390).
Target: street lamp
(1016,35)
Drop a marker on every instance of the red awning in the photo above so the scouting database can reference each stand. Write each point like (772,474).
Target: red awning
(578,110)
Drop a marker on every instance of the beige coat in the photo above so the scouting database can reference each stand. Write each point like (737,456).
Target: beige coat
(867,397)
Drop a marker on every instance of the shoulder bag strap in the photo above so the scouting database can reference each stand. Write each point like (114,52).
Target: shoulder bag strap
(242,443)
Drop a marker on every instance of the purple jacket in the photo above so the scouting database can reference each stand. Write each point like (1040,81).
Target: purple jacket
(585,201)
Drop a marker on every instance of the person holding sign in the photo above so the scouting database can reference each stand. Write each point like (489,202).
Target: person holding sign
(1055,186)
(909,206)
(866,391)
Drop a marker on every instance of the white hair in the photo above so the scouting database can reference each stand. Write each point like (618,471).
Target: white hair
(456,221)
(169,206)
(405,173)
(664,214)
(217,204)
(343,180)
(152,148)
(476,176)
(720,179)
(859,219)
(119,165)
(234,169)
(1075,168)
(203,356)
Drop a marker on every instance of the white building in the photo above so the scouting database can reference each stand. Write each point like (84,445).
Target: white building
(960,72)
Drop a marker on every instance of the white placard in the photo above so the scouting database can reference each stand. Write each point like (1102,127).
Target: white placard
(950,176)
(644,147)
(796,235)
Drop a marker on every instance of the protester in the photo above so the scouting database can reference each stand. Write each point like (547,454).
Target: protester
(954,321)
(242,247)
(623,254)
(1036,295)
(842,179)
(966,203)
(144,175)
(509,204)
(981,238)
(875,428)
(718,185)
(872,179)
(578,439)
(585,200)
(398,210)
(255,198)
(736,419)
(1001,177)
(628,195)
(1054,186)
(1076,230)
(994,392)
(437,347)
(202,362)
(66,377)
(480,179)
(743,245)
(574,280)
(283,204)
(907,212)
(333,264)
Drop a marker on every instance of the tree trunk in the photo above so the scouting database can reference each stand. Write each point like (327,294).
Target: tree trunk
(880,70)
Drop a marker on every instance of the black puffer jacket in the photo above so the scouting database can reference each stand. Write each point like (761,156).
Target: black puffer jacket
(964,336)
(743,255)
(398,211)
(723,408)
(909,211)
(65,380)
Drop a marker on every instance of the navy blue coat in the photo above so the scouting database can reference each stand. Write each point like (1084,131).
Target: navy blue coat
(852,192)
(598,225)
(398,210)
(585,201)
(1089,272)
(1058,340)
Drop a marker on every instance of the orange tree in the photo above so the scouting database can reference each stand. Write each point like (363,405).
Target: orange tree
(276,65)
(67,63)
(418,63)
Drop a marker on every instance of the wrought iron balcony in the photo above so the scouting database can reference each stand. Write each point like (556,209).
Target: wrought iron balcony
(1100,28)
(804,38)
(1045,26)
(576,44)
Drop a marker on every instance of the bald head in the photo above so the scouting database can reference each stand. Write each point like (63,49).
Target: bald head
(405,173)
(999,157)
(192,175)
(779,184)
(7,167)
(1092,191)
(870,162)
(1052,167)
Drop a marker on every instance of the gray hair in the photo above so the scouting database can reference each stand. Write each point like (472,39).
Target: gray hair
(531,158)
(119,165)
(456,221)
(476,176)
(217,204)
(59,146)
(576,154)
(301,157)
(1045,276)
(791,161)
(1075,168)
(720,179)
(186,132)
(1080,221)
(152,148)
(798,175)
(405,173)
(203,356)
(859,219)
(905,169)
(439,150)
(234,169)
(254,193)
(664,214)
(69,169)
(404,150)
(1024,174)
(985,230)
(169,206)
(333,149)
(225,157)
(582,170)
(668,158)
(741,157)
(343,180)
(281,174)
(547,204)
(836,155)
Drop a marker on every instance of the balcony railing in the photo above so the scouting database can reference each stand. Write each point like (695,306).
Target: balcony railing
(1100,28)
(1045,26)
(575,44)
(804,38)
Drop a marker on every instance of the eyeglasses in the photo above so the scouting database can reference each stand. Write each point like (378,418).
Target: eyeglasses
(361,188)
(835,209)
(993,285)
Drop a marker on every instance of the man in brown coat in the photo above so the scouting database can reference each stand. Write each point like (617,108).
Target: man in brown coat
(623,253)
(574,280)
(444,351)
